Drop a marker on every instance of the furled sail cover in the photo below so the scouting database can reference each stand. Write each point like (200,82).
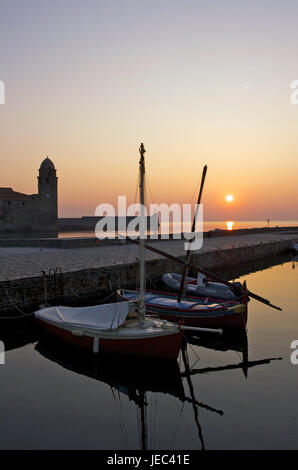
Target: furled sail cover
(97,317)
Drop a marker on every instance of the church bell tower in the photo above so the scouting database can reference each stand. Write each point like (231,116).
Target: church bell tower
(47,194)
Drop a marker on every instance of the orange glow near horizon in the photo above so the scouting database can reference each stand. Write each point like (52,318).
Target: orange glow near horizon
(83,183)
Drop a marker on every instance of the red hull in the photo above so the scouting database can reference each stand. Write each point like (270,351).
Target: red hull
(165,347)
(235,320)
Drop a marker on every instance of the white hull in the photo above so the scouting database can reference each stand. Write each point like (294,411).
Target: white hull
(211,289)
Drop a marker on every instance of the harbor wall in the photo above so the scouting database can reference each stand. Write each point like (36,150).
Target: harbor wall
(87,285)
(88,223)
(85,242)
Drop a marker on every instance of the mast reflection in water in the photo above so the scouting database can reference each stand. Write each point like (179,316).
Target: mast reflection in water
(222,393)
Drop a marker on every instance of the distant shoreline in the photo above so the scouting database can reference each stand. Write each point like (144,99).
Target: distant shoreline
(85,239)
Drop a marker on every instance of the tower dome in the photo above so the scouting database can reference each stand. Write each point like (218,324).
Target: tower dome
(47,164)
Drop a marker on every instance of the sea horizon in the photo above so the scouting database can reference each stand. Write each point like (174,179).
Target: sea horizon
(207,226)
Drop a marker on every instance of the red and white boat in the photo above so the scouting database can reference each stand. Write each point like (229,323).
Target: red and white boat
(111,328)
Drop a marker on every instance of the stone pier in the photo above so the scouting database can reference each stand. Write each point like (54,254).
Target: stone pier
(31,276)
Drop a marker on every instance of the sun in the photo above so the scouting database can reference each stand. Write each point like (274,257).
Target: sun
(229,197)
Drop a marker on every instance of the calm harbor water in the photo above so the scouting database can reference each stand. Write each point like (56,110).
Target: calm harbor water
(228,393)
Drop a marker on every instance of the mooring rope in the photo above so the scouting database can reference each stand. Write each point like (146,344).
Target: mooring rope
(70,289)
(23,314)
(82,296)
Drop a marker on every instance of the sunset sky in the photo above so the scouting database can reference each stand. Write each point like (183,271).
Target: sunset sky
(197,81)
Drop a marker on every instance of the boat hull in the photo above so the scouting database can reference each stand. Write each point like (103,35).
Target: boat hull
(166,346)
(211,289)
(233,317)
(220,320)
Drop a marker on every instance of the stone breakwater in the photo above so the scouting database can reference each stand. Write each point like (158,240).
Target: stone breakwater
(31,276)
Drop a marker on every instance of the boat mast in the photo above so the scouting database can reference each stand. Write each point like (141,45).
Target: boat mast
(142,306)
(188,253)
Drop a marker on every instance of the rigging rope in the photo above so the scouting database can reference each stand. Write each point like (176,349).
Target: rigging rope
(149,188)
(136,191)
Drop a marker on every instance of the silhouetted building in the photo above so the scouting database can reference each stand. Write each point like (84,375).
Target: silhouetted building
(34,212)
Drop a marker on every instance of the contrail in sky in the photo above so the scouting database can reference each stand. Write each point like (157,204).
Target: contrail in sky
(246,87)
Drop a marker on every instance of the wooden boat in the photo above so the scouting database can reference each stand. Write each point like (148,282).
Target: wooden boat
(205,288)
(193,311)
(294,246)
(111,328)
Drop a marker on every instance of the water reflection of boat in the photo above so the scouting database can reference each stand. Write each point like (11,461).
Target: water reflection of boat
(18,333)
(133,378)
(115,370)
(227,342)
